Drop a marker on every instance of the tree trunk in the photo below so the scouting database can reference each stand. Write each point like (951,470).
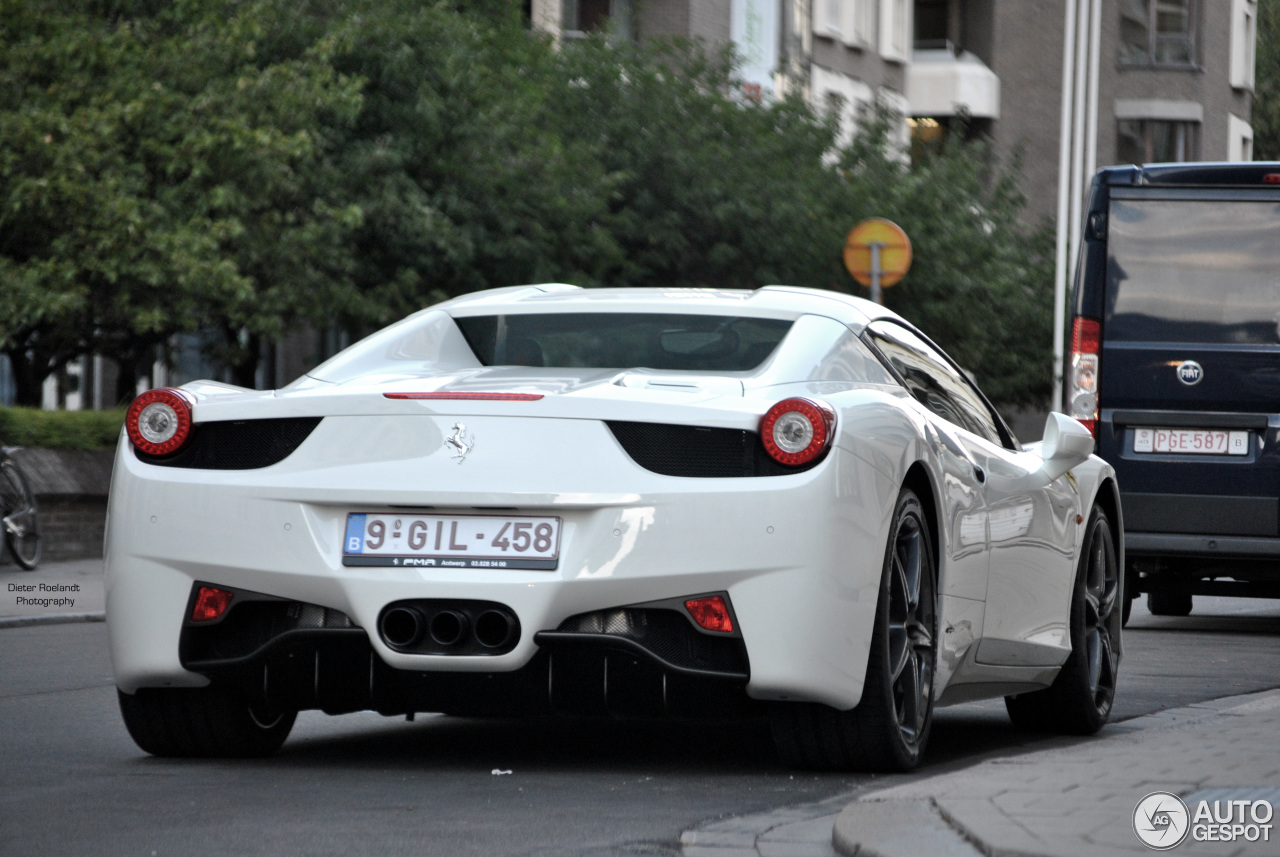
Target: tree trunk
(244,371)
(28,378)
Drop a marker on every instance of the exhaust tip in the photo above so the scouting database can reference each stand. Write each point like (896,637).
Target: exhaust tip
(493,629)
(448,627)
(401,626)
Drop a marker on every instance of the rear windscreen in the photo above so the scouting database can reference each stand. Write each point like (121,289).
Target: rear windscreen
(1193,271)
(624,340)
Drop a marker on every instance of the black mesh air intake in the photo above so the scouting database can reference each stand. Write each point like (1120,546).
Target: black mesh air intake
(238,444)
(666,634)
(674,450)
(251,624)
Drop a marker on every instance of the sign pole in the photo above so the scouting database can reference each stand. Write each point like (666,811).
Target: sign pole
(877,253)
(876,271)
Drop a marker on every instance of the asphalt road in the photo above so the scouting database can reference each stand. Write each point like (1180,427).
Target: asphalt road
(71,781)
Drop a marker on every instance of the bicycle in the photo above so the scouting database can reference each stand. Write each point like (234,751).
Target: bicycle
(18,513)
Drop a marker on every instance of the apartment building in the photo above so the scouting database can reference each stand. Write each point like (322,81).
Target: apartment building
(1146,80)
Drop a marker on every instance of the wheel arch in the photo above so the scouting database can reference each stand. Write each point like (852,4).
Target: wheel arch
(917,479)
(1107,497)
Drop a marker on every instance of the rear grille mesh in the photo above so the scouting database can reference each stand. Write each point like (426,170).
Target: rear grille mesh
(697,451)
(238,444)
(250,625)
(667,634)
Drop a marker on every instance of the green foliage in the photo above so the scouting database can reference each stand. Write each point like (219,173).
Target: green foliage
(981,281)
(60,429)
(158,176)
(703,189)
(463,183)
(239,166)
(1265,115)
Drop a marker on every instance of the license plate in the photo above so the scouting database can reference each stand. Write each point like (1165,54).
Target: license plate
(451,541)
(1191,441)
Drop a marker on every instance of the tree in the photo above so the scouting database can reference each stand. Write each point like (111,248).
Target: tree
(1266,93)
(242,166)
(155,179)
(715,191)
(454,161)
(981,281)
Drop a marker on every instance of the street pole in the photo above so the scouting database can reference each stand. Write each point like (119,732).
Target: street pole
(875,273)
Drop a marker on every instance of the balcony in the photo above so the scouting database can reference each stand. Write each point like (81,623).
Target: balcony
(943,81)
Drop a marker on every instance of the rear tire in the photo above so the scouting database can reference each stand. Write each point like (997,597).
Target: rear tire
(1080,698)
(21,522)
(207,722)
(889,728)
(1169,603)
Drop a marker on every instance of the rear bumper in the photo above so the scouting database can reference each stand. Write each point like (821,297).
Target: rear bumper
(799,556)
(1137,545)
(1203,565)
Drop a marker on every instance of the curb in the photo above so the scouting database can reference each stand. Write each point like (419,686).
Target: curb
(880,824)
(870,828)
(51,619)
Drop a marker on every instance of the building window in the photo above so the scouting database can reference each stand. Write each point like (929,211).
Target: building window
(846,20)
(895,29)
(855,23)
(1152,141)
(1157,32)
(1244,38)
(931,24)
(1239,139)
(598,16)
(827,19)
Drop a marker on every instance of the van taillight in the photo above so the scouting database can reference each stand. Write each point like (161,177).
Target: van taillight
(1082,372)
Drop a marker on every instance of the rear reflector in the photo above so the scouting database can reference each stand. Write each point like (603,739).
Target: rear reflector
(469,397)
(211,603)
(710,613)
(1271,178)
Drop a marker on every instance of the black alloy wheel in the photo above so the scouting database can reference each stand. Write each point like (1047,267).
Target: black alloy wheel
(912,628)
(209,722)
(1080,698)
(889,728)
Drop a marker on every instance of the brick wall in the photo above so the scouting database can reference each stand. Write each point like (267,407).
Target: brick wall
(71,492)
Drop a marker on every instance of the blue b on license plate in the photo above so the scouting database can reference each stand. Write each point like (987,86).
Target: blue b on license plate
(451,541)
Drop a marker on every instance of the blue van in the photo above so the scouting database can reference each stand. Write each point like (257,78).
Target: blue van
(1175,365)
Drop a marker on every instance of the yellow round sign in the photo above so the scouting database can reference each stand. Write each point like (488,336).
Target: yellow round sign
(874,237)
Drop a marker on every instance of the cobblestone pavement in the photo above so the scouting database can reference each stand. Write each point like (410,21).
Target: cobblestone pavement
(1081,799)
(1075,798)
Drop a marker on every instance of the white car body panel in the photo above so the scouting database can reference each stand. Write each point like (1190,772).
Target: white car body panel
(799,555)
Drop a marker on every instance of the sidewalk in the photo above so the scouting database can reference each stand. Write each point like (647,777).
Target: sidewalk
(70,591)
(1081,799)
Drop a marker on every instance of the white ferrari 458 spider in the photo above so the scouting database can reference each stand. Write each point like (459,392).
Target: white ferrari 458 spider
(542,500)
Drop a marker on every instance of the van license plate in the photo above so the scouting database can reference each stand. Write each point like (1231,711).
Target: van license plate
(1191,441)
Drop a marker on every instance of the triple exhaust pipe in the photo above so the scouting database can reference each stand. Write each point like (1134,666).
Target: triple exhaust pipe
(449,627)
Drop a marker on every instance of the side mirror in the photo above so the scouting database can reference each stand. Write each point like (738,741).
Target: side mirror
(1066,443)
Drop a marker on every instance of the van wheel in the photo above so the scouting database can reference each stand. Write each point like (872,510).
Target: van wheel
(1169,603)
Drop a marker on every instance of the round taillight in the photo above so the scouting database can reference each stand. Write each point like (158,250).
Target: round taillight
(159,421)
(797,431)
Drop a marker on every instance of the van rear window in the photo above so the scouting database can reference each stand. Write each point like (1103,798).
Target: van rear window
(1193,271)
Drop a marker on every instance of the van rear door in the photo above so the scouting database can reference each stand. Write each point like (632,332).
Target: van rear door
(1189,384)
